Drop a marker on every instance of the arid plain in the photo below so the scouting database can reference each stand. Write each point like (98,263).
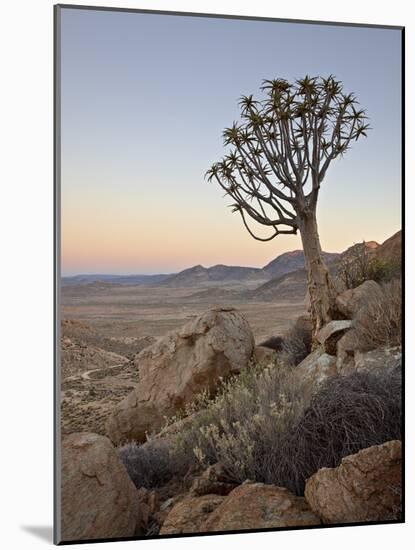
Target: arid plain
(105,324)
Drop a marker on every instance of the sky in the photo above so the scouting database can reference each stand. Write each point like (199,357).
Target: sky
(144,101)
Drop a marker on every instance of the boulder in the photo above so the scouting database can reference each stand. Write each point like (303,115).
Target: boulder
(179,366)
(317,367)
(98,499)
(380,358)
(331,333)
(350,301)
(259,506)
(350,358)
(365,487)
(190,514)
(346,349)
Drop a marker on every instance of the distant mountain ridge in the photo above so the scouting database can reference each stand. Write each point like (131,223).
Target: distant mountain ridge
(114,279)
(293,285)
(284,278)
(199,275)
(291,261)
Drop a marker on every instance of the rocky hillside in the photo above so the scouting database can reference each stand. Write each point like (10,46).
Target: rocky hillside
(323,434)
(81,334)
(291,286)
(391,249)
(292,261)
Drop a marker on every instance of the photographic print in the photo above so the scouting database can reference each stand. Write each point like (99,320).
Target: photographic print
(228,274)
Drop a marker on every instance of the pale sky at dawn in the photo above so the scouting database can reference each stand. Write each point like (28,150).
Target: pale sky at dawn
(145,98)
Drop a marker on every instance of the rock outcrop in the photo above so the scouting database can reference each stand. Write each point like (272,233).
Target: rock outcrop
(365,487)
(248,506)
(350,301)
(259,506)
(317,367)
(99,499)
(189,515)
(378,359)
(351,359)
(177,367)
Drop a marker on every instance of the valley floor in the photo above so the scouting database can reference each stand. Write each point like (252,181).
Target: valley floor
(104,326)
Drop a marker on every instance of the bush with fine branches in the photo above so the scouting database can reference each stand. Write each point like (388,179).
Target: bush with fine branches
(348,414)
(268,428)
(154,463)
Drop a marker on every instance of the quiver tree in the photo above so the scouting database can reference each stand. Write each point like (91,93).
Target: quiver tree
(279,155)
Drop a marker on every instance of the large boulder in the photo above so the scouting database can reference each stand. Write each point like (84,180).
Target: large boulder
(365,487)
(98,500)
(317,367)
(378,359)
(350,301)
(351,359)
(190,514)
(179,366)
(259,506)
(346,350)
(249,506)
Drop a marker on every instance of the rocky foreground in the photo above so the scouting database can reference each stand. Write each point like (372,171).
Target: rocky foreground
(100,500)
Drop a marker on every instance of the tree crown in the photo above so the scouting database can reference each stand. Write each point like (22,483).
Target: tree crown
(282,147)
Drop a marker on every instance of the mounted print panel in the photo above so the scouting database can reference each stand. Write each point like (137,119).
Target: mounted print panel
(228,274)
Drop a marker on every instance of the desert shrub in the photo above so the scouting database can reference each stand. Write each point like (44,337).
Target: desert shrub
(379,323)
(354,267)
(267,427)
(348,414)
(383,271)
(244,425)
(359,265)
(152,464)
(297,343)
(294,345)
(274,342)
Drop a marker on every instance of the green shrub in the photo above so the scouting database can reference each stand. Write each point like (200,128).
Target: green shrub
(360,265)
(383,271)
(246,422)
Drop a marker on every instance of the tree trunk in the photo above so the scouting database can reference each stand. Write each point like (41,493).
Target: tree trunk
(320,286)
